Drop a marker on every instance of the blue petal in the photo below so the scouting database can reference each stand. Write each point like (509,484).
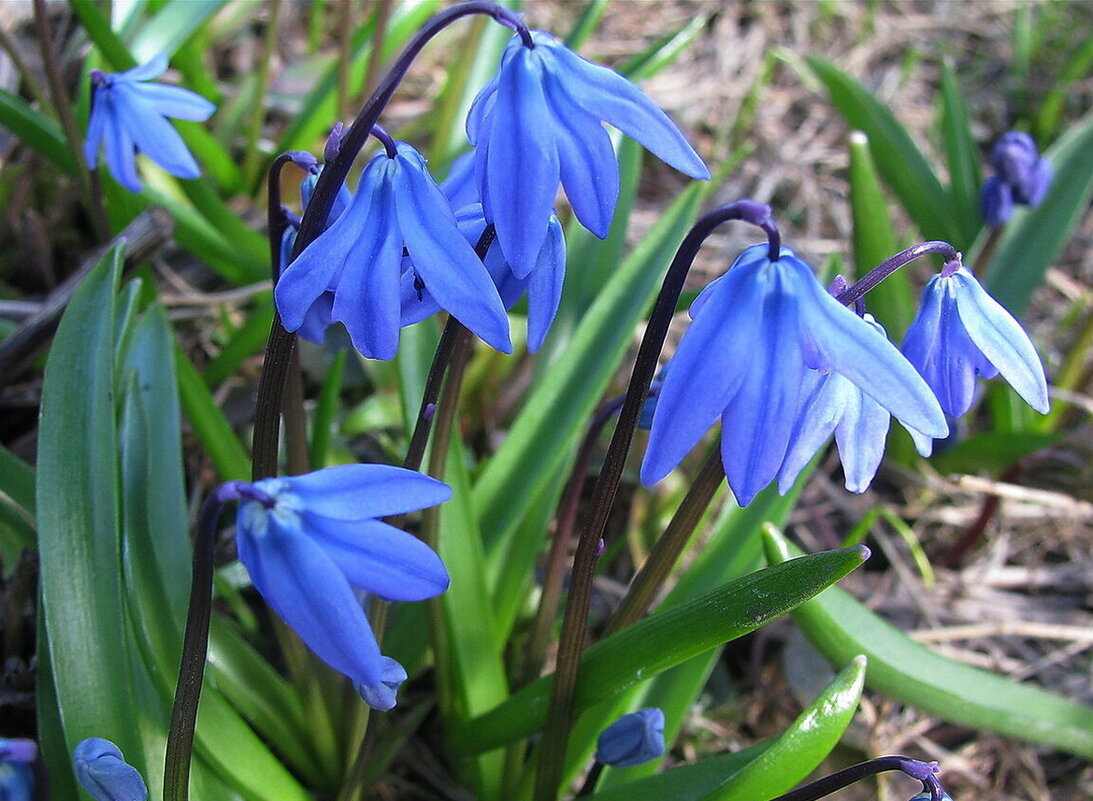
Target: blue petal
(103,772)
(522,171)
(705,372)
(96,126)
(589,168)
(860,436)
(846,344)
(378,558)
(383,696)
(545,286)
(479,112)
(366,298)
(751,255)
(612,98)
(362,491)
(452,272)
(1001,340)
(172,101)
(632,739)
(120,155)
(153,68)
(825,401)
(305,588)
(154,135)
(459,187)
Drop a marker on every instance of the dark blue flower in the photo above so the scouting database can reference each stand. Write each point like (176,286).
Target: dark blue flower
(632,739)
(16,774)
(318,538)
(104,773)
(1022,176)
(383,695)
(359,258)
(538,122)
(759,334)
(961,332)
(129,115)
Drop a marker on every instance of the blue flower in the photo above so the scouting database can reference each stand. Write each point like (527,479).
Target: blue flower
(1022,176)
(359,258)
(632,739)
(759,334)
(383,695)
(835,405)
(961,332)
(129,115)
(538,122)
(308,541)
(16,774)
(104,773)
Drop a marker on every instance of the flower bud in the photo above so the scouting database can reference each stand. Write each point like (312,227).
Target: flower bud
(104,773)
(632,739)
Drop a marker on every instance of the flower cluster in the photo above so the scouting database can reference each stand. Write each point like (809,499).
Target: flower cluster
(785,366)
(311,543)
(1022,176)
(128,114)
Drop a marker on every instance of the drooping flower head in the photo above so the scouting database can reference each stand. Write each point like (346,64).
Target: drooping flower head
(961,332)
(539,122)
(632,739)
(1022,176)
(104,773)
(759,336)
(309,541)
(359,258)
(129,115)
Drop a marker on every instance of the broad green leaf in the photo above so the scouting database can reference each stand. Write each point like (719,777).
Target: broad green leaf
(78,527)
(898,159)
(841,628)
(97,26)
(1033,237)
(763,771)
(663,640)
(961,154)
(224,448)
(36,130)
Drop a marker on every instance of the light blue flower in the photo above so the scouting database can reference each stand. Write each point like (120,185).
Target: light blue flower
(309,541)
(632,739)
(359,258)
(129,115)
(538,122)
(104,773)
(961,332)
(758,335)
(835,405)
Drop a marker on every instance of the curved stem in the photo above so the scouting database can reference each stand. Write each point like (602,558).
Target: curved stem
(574,624)
(280,343)
(857,290)
(923,771)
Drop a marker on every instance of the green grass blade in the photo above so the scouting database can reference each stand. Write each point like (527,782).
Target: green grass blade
(224,448)
(97,26)
(841,628)
(898,159)
(171,26)
(36,130)
(961,154)
(17,524)
(663,640)
(243,343)
(1034,237)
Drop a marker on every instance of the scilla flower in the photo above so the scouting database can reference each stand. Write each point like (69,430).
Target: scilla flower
(632,739)
(309,541)
(757,333)
(1022,176)
(104,773)
(16,775)
(538,122)
(359,258)
(961,332)
(129,115)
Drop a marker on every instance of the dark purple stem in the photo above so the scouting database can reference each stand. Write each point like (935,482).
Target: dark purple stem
(925,772)
(901,259)
(386,140)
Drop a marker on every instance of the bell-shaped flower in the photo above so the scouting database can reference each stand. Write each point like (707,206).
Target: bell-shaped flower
(1022,176)
(538,122)
(835,405)
(961,332)
(757,333)
(632,739)
(128,114)
(397,207)
(309,541)
(104,773)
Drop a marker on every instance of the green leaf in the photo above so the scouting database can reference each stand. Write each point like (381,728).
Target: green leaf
(36,130)
(223,446)
(172,25)
(898,159)
(962,155)
(763,771)
(78,527)
(841,628)
(17,524)
(244,342)
(662,640)
(1033,237)
(97,26)
(993,451)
